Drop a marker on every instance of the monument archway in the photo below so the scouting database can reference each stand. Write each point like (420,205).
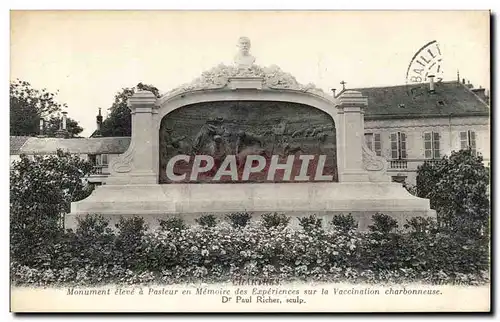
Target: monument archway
(136,186)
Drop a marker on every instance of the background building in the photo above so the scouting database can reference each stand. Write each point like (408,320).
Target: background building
(410,124)
(99,151)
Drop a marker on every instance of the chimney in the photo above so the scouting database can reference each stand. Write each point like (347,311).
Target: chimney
(42,123)
(64,117)
(99,120)
(62,133)
(463,81)
(42,128)
(431,83)
(333,91)
(481,92)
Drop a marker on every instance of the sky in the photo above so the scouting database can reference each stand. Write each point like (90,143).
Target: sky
(89,56)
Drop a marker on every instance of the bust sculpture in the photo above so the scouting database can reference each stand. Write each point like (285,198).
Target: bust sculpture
(244,59)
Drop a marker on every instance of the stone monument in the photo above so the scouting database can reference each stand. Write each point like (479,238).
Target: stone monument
(243,137)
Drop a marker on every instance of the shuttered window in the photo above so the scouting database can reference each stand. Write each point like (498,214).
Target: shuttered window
(104,159)
(431,145)
(398,145)
(468,140)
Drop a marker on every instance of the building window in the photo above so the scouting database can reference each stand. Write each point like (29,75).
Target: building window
(104,159)
(374,143)
(398,145)
(98,159)
(93,159)
(431,145)
(468,140)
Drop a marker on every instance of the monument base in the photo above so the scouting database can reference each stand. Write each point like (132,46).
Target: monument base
(189,201)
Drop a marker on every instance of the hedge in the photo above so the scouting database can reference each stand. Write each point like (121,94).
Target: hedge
(178,253)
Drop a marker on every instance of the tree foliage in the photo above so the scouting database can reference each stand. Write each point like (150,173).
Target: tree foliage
(457,188)
(41,190)
(28,105)
(119,121)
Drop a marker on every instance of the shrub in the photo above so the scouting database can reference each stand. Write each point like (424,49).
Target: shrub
(172,223)
(344,222)
(420,225)
(270,220)
(383,224)
(458,190)
(92,254)
(383,246)
(128,242)
(239,219)
(92,225)
(41,190)
(207,220)
(310,223)
(92,244)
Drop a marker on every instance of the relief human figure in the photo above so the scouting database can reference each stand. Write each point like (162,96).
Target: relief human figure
(248,143)
(204,142)
(174,145)
(244,59)
(278,133)
(290,148)
(171,146)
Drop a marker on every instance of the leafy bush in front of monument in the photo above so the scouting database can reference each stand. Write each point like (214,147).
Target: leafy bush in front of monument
(129,244)
(207,220)
(421,225)
(270,220)
(131,255)
(310,223)
(92,243)
(458,190)
(239,219)
(382,246)
(383,224)
(344,223)
(172,223)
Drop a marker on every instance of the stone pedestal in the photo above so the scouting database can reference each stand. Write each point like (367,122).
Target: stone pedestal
(351,136)
(154,202)
(138,164)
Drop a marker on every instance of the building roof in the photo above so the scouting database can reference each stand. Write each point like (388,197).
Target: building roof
(415,101)
(102,145)
(16,142)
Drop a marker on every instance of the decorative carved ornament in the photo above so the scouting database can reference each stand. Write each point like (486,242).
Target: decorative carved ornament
(372,162)
(219,76)
(123,163)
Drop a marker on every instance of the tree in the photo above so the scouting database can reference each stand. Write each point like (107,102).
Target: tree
(458,190)
(53,125)
(46,185)
(28,105)
(119,121)
(41,190)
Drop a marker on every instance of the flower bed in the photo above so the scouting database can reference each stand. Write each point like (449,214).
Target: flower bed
(94,254)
